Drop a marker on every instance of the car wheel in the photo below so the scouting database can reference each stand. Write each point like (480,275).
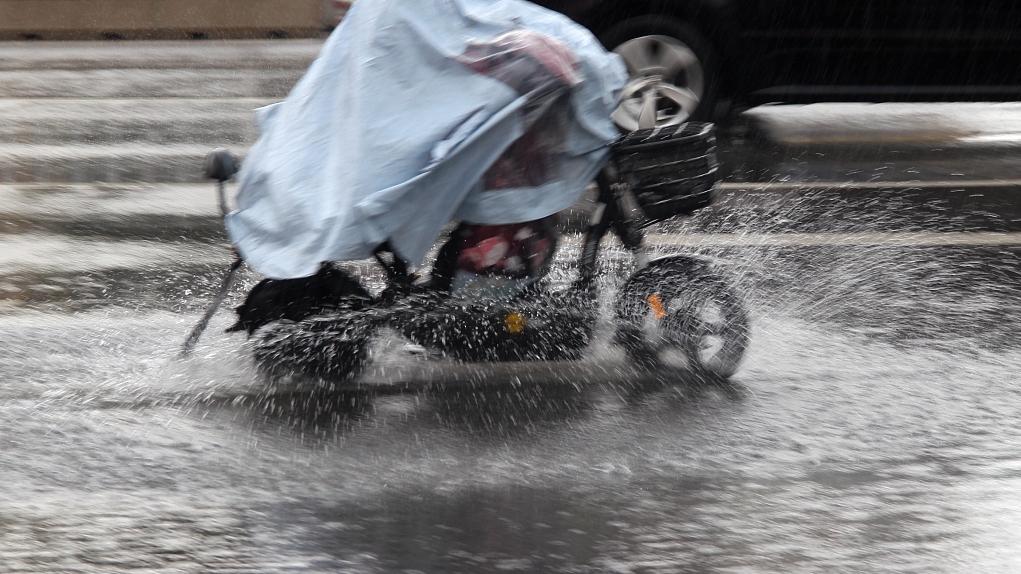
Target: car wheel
(673,73)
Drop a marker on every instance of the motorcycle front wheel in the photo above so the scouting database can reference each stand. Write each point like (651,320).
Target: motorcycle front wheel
(680,313)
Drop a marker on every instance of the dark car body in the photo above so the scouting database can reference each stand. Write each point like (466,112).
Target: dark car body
(833,49)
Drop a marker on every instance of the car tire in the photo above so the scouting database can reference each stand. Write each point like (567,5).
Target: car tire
(665,43)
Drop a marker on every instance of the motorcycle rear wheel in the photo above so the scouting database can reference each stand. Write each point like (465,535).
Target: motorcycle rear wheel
(324,348)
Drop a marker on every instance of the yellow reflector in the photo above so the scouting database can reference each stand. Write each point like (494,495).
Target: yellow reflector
(515,323)
(656,304)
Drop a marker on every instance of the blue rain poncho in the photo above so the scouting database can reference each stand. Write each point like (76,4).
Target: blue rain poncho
(408,120)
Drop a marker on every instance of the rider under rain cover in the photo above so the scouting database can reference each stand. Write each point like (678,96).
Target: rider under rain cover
(419,112)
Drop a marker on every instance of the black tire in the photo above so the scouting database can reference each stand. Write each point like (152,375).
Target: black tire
(685,34)
(324,348)
(694,305)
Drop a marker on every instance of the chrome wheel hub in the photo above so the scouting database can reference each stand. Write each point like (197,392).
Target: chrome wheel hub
(667,83)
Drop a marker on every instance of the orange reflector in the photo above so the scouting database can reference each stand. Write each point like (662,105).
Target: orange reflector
(515,323)
(656,304)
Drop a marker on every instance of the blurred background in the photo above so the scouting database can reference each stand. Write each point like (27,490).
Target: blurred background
(177,19)
(869,216)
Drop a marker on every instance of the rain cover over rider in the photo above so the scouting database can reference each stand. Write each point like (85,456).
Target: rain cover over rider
(419,112)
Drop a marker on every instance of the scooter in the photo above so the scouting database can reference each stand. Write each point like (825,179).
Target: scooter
(674,311)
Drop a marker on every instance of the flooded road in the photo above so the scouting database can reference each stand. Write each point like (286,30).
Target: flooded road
(875,425)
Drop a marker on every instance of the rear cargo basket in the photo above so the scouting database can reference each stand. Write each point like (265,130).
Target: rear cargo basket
(672,171)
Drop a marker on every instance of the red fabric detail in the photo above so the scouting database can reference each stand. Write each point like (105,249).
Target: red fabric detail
(516,250)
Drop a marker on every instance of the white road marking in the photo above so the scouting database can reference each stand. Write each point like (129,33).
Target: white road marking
(48,253)
(966,184)
(892,239)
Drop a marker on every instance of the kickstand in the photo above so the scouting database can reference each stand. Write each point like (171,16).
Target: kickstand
(228,280)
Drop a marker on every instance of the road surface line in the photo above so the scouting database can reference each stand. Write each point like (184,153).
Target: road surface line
(892,239)
(47,253)
(870,185)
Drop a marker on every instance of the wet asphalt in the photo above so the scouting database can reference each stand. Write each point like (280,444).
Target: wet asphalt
(875,425)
